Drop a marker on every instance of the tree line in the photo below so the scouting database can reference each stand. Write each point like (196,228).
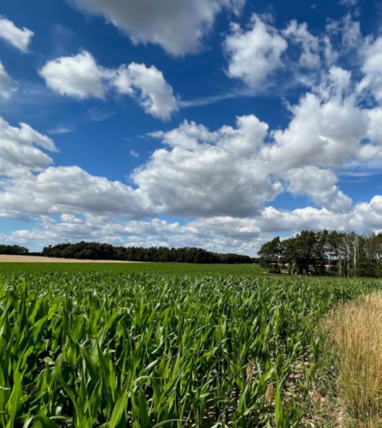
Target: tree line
(98,251)
(325,253)
(14,250)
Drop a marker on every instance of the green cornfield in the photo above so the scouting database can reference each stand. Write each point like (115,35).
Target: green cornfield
(113,350)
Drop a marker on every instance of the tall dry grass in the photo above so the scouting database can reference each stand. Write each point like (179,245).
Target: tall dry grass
(357,336)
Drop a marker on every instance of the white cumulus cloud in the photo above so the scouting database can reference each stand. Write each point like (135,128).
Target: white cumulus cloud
(177,25)
(299,34)
(70,190)
(20,149)
(76,76)
(81,77)
(372,68)
(149,87)
(17,37)
(321,133)
(207,173)
(254,54)
(320,185)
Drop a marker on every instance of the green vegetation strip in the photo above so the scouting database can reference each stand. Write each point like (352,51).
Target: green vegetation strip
(112,350)
(155,268)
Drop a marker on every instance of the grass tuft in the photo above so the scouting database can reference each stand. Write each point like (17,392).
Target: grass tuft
(357,336)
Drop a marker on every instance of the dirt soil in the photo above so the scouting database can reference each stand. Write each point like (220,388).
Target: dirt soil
(36,259)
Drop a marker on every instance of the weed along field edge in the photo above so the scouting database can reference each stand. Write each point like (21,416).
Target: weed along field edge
(354,348)
(117,348)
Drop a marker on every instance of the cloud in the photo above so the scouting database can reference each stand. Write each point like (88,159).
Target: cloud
(328,130)
(371,54)
(179,26)
(375,125)
(347,33)
(299,34)
(323,133)
(76,76)
(222,179)
(70,190)
(348,2)
(365,217)
(320,185)
(368,216)
(230,172)
(262,52)
(228,227)
(61,130)
(20,149)
(308,218)
(205,173)
(254,54)
(224,233)
(98,116)
(81,77)
(149,87)
(7,85)
(17,37)
(262,55)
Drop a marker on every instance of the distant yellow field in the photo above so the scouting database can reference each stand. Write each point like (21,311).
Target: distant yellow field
(35,259)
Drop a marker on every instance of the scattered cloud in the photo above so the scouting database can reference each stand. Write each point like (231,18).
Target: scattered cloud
(81,77)
(321,133)
(320,185)
(223,233)
(61,130)
(76,76)
(263,55)
(223,178)
(149,87)
(220,181)
(254,55)
(347,32)
(43,194)
(299,34)
(204,173)
(18,37)
(327,130)
(7,85)
(372,62)
(348,2)
(96,115)
(179,26)
(21,150)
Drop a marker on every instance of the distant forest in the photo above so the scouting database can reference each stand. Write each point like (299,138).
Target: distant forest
(97,251)
(325,253)
(14,250)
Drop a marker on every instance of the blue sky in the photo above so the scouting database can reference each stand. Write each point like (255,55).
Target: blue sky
(213,123)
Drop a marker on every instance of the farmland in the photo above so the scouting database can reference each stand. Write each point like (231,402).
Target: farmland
(172,269)
(154,345)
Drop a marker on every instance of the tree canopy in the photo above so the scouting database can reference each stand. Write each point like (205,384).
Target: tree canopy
(319,253)
(98,251)
(14,250)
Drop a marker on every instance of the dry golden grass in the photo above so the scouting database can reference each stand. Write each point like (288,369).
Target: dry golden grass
(356,330)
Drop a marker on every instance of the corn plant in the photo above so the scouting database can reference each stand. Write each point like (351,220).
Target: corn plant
(113,350)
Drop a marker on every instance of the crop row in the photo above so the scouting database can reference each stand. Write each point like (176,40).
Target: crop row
(113,350)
